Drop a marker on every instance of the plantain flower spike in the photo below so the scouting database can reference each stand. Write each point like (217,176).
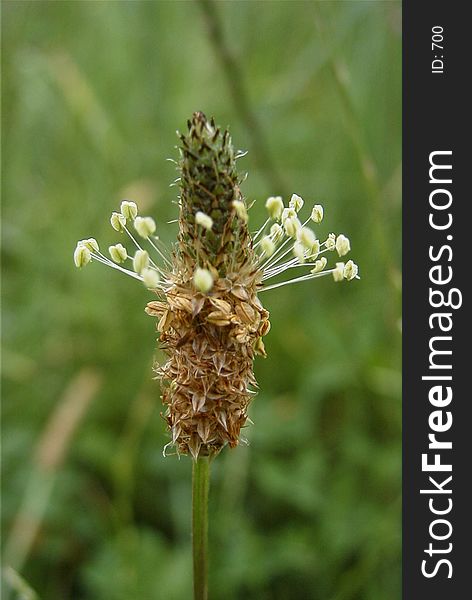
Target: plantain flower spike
(210,319)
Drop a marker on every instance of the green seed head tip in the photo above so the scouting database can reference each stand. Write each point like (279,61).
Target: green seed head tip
(209,185)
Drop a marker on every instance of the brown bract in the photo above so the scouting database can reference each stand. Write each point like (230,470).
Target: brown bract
(208,380)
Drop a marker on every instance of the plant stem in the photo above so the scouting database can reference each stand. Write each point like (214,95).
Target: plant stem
(200,488)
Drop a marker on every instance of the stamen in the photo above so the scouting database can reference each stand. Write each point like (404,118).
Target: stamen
(161,254)
(113,265)
(296,280)
(259,231)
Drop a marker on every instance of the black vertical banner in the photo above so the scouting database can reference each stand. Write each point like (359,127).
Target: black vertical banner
(437,423)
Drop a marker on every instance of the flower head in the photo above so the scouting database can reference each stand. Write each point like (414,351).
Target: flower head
(210,319)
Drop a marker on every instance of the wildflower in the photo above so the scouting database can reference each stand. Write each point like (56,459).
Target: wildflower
(343,245)
(204,220)
(210,319)
(274,206)
(118,253)
(129,210)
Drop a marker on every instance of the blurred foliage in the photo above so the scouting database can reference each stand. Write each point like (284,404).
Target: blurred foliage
(92,95)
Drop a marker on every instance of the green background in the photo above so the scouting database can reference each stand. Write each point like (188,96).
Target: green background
(92,95)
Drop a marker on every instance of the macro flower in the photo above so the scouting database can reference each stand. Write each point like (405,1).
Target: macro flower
(210,319)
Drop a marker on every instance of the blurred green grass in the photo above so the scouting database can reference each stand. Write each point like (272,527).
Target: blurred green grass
(92,95)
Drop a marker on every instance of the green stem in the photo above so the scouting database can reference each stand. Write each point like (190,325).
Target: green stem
(200,488)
